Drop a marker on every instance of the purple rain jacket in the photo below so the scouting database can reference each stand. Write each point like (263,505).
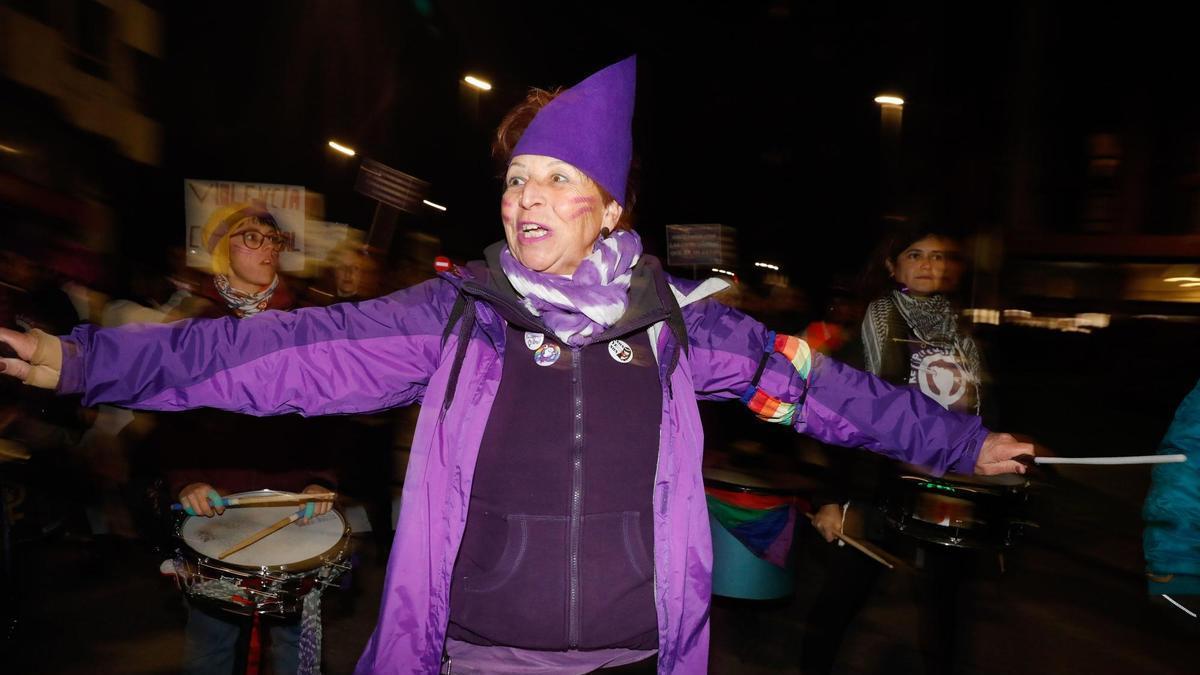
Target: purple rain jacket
(377,354)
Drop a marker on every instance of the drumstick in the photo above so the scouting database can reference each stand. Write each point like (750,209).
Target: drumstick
(281,499)
(1185,609)
(1112,461)
(862,548)
(262,533)
(267,500)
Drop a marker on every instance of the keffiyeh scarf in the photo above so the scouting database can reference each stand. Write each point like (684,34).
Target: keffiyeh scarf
(930,318)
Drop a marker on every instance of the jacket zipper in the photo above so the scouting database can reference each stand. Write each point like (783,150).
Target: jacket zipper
(576,523)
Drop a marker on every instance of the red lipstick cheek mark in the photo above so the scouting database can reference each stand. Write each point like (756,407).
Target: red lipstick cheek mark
(583,200)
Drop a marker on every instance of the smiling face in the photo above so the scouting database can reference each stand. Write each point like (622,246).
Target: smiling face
(930,265)
(252,270)
(552,213)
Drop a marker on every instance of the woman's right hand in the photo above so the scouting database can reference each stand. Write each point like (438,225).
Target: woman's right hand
(828,521)
(999,454)
(24,345)
(195,499)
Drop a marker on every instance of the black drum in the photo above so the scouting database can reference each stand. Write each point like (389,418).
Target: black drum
(970,512)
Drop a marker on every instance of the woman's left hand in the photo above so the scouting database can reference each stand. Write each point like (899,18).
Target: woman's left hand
(320,508)
(23,344)
(39,357)
(828,521)
(998,455)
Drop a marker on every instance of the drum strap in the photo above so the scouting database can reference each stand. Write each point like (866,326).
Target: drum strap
(310,634)
(254,654)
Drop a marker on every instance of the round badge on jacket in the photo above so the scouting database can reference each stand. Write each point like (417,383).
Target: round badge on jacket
(534,340)
(620,351)
(547,354)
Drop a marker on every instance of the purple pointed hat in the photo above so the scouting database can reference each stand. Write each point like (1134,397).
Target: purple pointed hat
(588,126)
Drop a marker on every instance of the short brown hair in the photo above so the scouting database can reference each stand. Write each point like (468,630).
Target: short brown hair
(513,126)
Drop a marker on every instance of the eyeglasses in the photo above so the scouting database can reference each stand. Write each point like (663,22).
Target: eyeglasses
(254,240)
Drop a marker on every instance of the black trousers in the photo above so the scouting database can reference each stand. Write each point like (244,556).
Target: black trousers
(943,619)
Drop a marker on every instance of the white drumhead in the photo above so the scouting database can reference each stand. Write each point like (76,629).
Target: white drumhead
(295,543)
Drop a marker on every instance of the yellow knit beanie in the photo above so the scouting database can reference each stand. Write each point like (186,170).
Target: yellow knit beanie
(225,220)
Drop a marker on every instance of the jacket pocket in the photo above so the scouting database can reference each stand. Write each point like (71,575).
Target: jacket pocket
(520,600)
(617,582)
(635,545)
(515,546)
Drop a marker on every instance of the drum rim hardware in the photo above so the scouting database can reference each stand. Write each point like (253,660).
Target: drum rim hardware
(269,590)
(901,503)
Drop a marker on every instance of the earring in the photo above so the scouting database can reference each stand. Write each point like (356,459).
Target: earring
(604,232)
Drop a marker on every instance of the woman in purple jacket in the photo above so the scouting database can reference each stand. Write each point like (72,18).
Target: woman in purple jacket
(553,517)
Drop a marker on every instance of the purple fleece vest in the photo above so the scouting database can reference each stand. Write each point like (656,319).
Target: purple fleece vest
(558,548)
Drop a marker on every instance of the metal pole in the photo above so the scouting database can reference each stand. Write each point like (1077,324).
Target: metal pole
(383,227)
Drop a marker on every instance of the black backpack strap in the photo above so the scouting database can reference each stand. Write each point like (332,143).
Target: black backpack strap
(677,325)
(456,312)
(464,308)
(674,321)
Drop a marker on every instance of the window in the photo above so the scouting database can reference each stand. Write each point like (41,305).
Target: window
(92,33)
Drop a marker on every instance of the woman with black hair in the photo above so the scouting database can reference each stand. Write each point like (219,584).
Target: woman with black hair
(910,336)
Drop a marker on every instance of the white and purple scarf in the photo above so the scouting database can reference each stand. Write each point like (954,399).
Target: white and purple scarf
(581,306)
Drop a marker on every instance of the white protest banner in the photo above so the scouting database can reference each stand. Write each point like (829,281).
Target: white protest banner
(285,202)
(323,237)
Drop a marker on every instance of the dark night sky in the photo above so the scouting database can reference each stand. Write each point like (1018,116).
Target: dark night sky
(758,115)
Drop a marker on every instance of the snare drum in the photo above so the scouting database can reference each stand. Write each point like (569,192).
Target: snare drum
(975,512)
(753,521)
(271,576)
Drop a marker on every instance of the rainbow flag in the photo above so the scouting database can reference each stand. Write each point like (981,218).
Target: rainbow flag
(765,524)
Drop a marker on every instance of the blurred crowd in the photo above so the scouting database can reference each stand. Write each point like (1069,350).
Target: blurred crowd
(87,472)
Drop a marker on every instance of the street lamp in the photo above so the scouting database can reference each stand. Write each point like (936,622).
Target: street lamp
(483,85)
(345,150)
(891,115)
